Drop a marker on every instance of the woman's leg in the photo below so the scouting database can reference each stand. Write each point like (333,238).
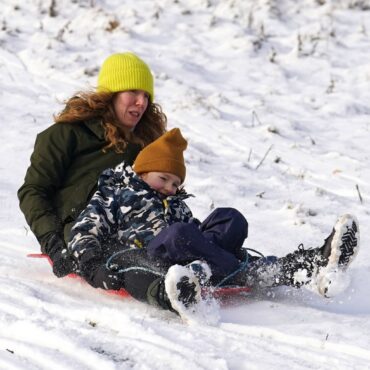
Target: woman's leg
(136,271)
(300,267)
(145,279)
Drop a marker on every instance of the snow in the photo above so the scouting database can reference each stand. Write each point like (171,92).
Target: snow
(273,97)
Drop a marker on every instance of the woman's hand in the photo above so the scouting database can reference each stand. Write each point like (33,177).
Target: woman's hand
(63,264)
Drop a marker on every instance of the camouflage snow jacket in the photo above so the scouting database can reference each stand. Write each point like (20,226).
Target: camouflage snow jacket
(124,213)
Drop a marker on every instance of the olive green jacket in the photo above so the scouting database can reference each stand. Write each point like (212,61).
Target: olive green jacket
(65,165)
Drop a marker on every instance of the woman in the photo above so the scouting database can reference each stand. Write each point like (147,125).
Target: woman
(96,130)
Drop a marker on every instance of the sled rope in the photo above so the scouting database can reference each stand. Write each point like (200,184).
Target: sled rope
(137,268)
(107,264)
(243,266)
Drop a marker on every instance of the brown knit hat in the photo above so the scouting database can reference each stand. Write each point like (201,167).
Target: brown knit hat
(163,155)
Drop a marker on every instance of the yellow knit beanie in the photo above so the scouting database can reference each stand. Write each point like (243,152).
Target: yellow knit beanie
(163,155)
(125,71)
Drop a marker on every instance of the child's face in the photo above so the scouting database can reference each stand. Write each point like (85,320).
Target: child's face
(163,182)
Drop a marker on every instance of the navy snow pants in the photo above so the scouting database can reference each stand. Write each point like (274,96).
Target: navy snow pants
(217,240)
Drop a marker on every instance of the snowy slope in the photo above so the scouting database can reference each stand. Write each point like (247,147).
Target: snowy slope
(273,96)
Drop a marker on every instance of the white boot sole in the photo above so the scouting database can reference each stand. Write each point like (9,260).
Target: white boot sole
(345,240)
(173,277)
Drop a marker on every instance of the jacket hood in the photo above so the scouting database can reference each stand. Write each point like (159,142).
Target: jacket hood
(125,176)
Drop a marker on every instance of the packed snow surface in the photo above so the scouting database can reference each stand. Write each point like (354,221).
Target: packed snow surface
(273,97)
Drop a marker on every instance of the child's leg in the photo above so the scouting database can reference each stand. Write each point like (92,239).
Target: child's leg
(227,228)
(182,243)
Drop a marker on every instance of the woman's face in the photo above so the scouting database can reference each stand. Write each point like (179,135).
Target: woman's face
(129,107)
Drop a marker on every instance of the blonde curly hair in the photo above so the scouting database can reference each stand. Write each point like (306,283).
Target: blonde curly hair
(88,105)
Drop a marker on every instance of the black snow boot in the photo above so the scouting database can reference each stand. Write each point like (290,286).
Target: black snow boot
(156,295)
(294,269)
(298,268)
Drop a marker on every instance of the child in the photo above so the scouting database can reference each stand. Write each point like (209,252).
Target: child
(137,233)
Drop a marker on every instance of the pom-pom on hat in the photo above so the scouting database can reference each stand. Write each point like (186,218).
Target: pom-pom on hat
(125,71)
(163,155)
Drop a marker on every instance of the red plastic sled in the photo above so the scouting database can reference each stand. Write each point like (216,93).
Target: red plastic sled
(121,292)
(223,294)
